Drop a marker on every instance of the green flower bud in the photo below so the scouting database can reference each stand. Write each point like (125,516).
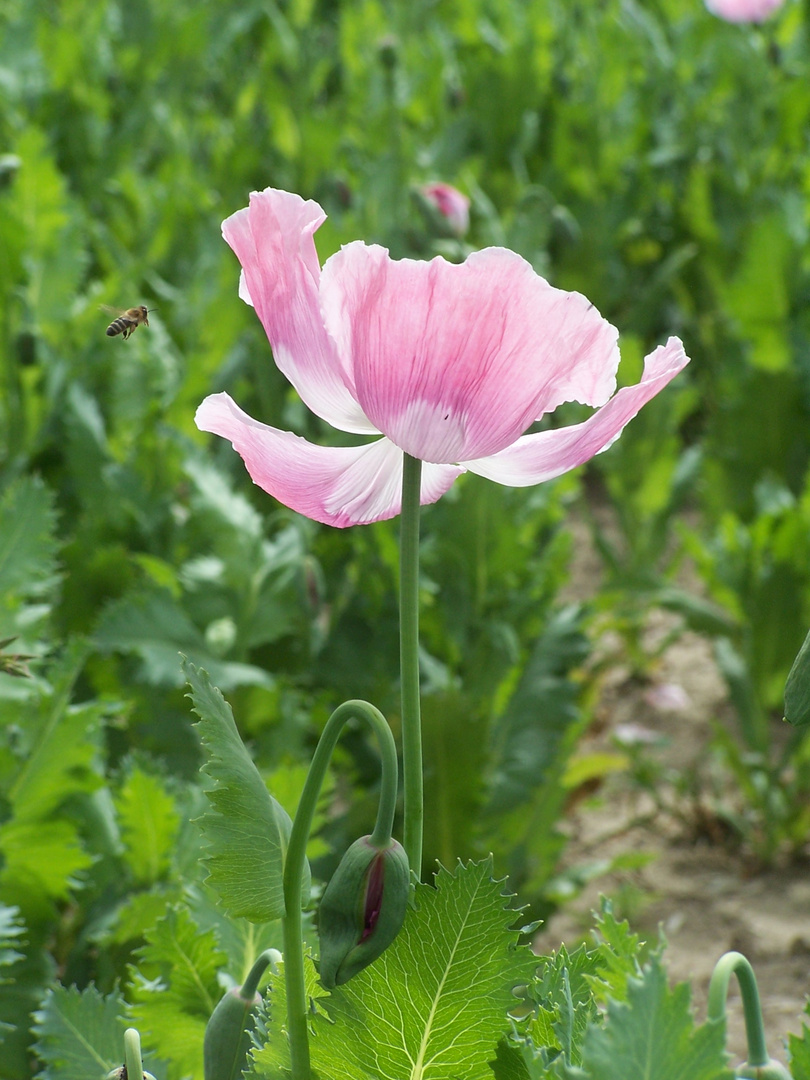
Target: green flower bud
(227,1034)
(363,908)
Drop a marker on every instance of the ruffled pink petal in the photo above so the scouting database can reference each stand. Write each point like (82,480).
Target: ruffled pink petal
(339,486)
(546,454)
(273,240)
(453,362)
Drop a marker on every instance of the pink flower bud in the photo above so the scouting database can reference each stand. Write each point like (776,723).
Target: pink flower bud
(451,204)
(743,11)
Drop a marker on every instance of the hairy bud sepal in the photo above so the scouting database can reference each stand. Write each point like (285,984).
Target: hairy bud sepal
(363,908)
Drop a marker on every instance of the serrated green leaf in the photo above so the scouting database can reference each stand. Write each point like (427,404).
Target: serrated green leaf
(42,852)
(799,1050)
(652,1036)
(246,827)
(63,760)
(617,953)
(570,987)
(21,996)
(138,913)
(566,1000)
(11,930)
(175,990)
(435,1003)
(27,545)
(240,939)
(149,823)
(509,1062)
(41,860)
(80,1035)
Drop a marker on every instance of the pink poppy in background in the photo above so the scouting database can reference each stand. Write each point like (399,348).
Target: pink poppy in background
(451,204)
(741,11)
(450,363)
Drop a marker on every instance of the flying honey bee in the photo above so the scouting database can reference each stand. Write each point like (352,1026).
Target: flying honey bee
(127,322)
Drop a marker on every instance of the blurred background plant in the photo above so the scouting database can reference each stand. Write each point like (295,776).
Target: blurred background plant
(648,155)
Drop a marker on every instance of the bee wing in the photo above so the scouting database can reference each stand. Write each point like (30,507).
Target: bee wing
(117,312)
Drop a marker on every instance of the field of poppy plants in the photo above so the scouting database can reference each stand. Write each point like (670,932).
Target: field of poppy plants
(302,682)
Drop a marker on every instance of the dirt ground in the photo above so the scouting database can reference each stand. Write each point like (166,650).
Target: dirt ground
(703,893)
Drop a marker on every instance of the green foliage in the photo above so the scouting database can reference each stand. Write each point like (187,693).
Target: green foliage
(652,1036)
(799,1049)
(174,990)
(412,1012)
(246,828)
(79,1035)
(797,688)
(149,823)
(128,133)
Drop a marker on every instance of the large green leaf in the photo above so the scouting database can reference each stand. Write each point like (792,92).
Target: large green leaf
(246,828)
(653,1036)
(435,1003)
(80,1035)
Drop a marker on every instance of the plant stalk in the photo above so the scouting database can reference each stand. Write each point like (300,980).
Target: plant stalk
(734,963)
(409,662)
(294,979)
(132,1054)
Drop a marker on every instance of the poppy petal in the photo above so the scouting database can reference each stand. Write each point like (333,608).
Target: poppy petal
(273,240)
(340,486)
(456,361)
(546,454)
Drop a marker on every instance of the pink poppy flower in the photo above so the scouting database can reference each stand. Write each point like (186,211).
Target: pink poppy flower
(451,204)
(742,11)
(450,363)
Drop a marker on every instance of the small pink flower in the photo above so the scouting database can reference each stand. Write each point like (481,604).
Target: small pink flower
(448,363)
(742,11)
(451,204)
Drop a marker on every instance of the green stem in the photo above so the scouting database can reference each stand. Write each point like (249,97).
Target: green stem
(409,662)
(251,983)
(132,1054)
(297,1028)
(734,963)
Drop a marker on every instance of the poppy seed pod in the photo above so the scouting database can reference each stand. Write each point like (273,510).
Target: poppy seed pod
(363,908)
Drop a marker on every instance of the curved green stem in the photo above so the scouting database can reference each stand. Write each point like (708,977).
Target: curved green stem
(734,963)
(409,662)
(254,977)
(297,1028)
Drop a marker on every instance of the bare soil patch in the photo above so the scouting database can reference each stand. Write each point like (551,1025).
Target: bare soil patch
(702,891)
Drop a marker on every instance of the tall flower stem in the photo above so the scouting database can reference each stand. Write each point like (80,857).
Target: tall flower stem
(297,1029)
(409,662)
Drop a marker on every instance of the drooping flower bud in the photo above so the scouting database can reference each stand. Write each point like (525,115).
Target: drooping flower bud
(363,908)
(227,1034)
